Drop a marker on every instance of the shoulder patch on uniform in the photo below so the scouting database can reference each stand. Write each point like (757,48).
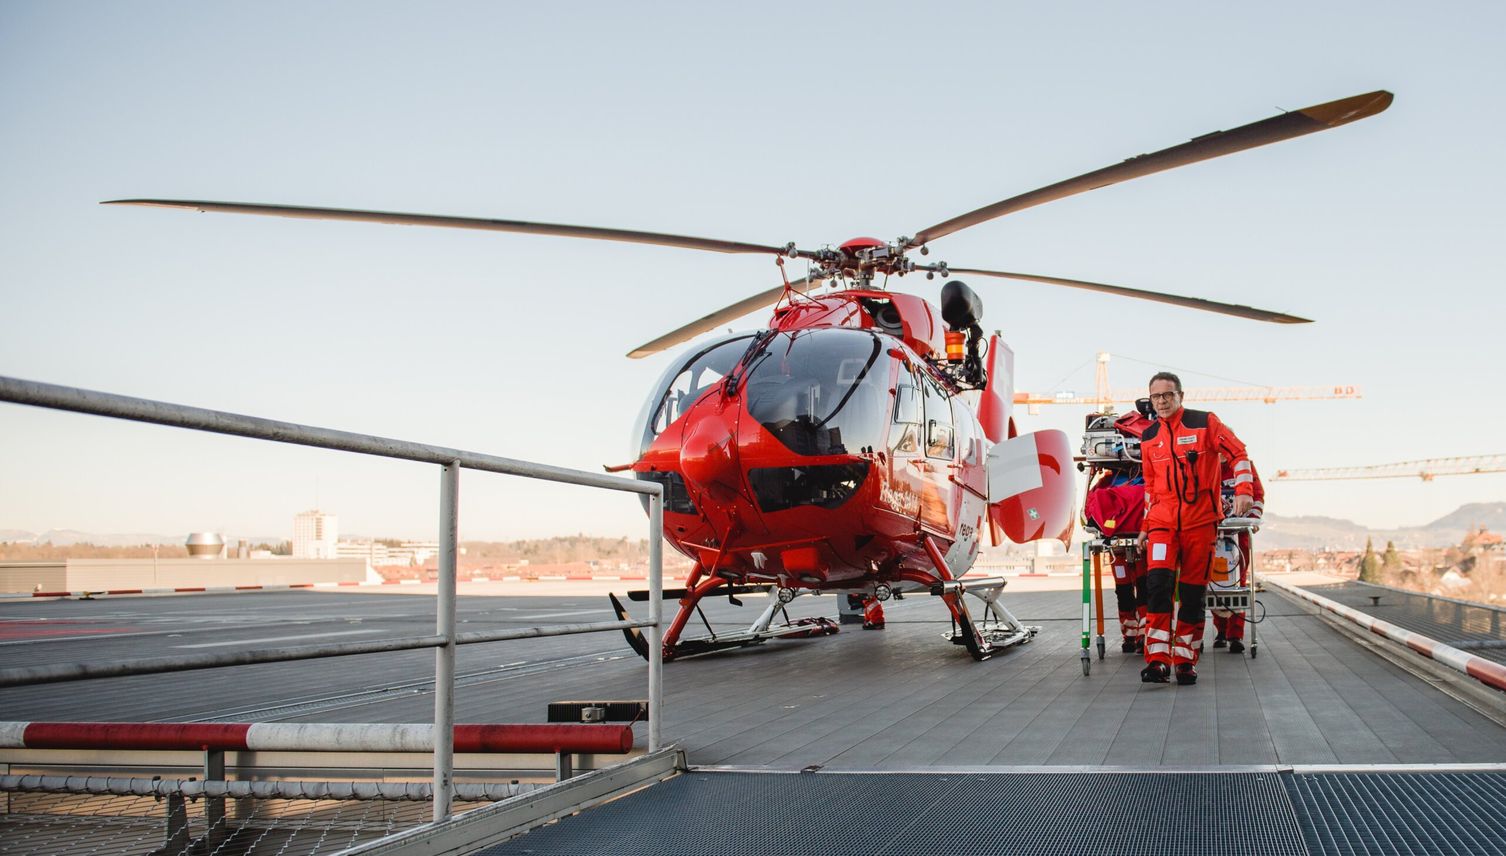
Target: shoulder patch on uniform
(1195,418)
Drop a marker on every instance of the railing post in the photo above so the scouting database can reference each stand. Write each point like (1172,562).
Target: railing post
(214,807)
(178,837)
(444,657)
(656,614)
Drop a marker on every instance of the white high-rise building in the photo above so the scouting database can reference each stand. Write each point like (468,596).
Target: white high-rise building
(315,535)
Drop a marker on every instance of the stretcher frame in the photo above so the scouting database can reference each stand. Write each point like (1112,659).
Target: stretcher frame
(1093,551)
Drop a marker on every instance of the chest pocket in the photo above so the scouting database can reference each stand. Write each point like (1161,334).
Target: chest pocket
(1156,450)
(1190,442)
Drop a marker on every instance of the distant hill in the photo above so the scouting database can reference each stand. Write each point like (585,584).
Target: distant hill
(73,537)
(68,537)
(1310,532)
(1492,515)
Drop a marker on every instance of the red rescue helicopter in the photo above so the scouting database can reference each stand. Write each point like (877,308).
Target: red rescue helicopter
(864,439)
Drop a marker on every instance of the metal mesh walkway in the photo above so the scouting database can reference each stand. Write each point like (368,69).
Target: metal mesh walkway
(1052,814)
(1458,814)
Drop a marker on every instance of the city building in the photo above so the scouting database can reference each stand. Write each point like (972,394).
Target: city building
(405,554)
(316,535)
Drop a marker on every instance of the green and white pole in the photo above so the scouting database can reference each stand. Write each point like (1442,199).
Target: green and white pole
(1087,611)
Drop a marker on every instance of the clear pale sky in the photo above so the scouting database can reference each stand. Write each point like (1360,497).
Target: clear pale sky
(766,123)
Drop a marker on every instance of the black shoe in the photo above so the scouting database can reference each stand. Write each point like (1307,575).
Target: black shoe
(1129,646)
(1220,642)
(1186,674)
(1155,673)
(1236,646)
(1140,646)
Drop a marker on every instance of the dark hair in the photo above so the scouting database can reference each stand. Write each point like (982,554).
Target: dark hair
(1167,376)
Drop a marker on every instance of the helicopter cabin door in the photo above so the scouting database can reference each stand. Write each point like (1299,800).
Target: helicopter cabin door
(939,496)
(907,457)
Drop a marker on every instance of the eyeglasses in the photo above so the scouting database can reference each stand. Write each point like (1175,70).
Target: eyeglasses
(1164,396)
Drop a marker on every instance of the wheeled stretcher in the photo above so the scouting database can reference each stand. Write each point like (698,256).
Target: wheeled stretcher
(1232,583)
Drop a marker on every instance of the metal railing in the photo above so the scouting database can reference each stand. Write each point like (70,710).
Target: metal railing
(445,639)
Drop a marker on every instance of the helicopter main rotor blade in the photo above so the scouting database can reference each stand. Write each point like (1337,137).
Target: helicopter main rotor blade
(565,231)
(1236,309)
(720,317)
(1320,117)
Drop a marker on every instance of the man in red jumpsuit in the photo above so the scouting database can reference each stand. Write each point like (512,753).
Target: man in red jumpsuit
(1180,458)
(1229,625)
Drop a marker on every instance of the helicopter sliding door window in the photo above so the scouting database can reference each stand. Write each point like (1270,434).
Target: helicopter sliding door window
(940,435)
(967,434)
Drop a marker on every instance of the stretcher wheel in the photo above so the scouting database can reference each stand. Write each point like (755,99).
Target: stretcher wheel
(1254,651)
(1101,645)
(1087,667)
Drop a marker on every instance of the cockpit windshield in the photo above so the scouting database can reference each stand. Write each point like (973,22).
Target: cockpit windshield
(823,391)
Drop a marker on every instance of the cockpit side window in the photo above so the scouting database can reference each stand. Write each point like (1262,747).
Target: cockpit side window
(704,371)
(908,412)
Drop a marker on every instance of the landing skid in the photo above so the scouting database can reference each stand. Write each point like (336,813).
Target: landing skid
(760,631)
(997,630)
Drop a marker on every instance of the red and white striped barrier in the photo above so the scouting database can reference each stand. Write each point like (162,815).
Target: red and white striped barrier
(315,737)
(1485,671)
(180,590)
(343,583)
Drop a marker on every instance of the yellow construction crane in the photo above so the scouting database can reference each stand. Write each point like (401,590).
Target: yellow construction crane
(1426,470)
(1104,398)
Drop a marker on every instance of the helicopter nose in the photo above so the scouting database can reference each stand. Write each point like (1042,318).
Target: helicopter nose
(708,453)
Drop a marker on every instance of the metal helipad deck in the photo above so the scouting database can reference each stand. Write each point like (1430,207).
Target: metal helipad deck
(896,699)
(914,744)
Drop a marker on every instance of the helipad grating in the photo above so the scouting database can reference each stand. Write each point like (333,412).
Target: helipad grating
(1065,814)
(1402,813)
(944,814)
